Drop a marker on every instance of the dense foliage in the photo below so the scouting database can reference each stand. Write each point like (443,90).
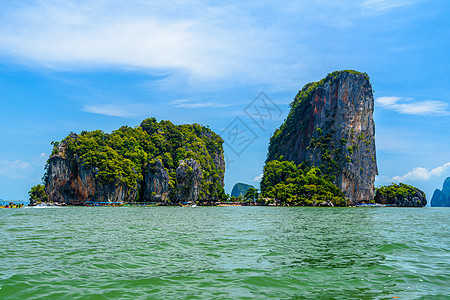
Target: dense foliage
(37,194)
(294,184)
(251,194)
(125,154)
(397,190)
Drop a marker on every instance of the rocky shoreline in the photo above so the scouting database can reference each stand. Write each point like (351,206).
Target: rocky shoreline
(219,204)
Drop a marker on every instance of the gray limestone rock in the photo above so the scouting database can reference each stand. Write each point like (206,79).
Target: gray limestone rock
(70,182)
(156,182)
(333,128)
(189,181)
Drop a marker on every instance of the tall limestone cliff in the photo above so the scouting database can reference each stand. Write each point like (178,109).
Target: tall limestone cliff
(156,182)
(189,178)
(152,162)
(330,126)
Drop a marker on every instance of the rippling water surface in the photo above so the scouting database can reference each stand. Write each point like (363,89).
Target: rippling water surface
(224,252)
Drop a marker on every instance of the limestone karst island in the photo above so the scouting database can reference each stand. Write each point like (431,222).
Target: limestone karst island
(224,149)
(322,155)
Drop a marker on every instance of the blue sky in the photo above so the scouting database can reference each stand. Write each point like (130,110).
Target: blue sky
(68,66)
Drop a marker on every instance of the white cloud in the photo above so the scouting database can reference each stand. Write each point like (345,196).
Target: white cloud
(203,41)
(422,174)
(14,169)
(194,37)
(109,110)
(410,107)
(258,178)
(187,103)
(384,5)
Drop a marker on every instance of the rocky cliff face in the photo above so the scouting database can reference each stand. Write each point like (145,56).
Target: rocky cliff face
(73,183)
(156,187)
(331,126)
(416,198)
(189,179)
(442,198)
(95,166)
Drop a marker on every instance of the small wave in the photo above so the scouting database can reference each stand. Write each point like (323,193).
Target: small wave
(42,206)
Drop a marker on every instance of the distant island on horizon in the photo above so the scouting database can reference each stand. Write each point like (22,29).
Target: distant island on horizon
(441,198)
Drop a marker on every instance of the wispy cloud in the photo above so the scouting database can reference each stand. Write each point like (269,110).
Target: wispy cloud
(384,5)
(422,174)
(240,42)
(411,107)
(258,178)
(14,169)
(109,110)
(193,37)
(187,103)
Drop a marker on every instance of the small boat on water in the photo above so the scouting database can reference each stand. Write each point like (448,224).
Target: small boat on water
(142,204)
(187,204)
(369,205)
(96,203)
(11,204)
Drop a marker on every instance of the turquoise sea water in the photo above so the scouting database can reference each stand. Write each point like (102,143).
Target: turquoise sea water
(224,253)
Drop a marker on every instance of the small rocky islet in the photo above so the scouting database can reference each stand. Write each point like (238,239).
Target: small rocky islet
(322,155)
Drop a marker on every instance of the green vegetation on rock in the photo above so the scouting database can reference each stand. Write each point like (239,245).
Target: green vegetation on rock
(299,185)
(396,190)
(37,194)
(125,154)
(400,195)
(251,194)
(330,127)
(294,122)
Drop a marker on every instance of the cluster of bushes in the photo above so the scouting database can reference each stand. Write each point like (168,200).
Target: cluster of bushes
(396,190)
(37,194)
(293,184)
